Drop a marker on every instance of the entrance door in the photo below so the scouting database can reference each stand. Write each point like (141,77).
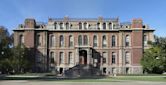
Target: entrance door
(83,57)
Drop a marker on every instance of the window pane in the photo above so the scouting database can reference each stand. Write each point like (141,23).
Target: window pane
(104,25)
(104,42)
(94,41)
(127,40)
(80,25)
(71,41)
(85,40)
(79,40)
(127,58)
(61,61)
(113,58)
(113,41)
(61,41)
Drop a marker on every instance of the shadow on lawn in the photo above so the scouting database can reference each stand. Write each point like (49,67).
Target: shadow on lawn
(50,78)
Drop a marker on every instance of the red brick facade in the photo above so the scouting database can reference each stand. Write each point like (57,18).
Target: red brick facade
(128,49)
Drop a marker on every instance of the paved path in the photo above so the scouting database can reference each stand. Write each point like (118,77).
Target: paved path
(28,82)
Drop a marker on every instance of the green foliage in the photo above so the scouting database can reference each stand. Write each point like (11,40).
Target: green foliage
(12,59)
(154,59)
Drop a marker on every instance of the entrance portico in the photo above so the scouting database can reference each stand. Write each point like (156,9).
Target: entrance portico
(84,55)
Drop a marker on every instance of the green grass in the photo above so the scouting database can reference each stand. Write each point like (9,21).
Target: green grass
(142,78)
(87,79)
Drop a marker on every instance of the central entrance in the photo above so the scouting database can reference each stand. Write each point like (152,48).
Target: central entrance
(83,57)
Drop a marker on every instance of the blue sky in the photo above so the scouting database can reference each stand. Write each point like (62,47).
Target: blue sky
(153,12)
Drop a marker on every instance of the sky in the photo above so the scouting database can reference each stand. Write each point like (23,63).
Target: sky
(153,12)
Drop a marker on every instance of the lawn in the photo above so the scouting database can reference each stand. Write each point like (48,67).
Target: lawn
(42,77)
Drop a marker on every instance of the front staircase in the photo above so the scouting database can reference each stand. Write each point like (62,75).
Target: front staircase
(82,71)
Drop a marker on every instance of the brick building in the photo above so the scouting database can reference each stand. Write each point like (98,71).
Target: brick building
(103,43)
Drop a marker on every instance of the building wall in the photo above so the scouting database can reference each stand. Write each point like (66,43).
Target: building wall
(42,53)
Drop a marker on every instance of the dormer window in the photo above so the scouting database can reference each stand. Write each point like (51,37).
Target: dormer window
(61,25)
(98,25)
(80,25)
(110,25)
(67,25)
(85,25)
(104,25)
(55,25)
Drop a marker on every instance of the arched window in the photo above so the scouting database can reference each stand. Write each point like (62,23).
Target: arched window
(61,58)
(38,40)
(71,58)
(98,25)
(80,25)
(85,40)
(85,25)
(61,25)
(104,25)
(52,41)
(104,60)
(104,41)
(79,40)
(113,58)
(127,40)
(127,58)
(71,40)
(94,41)
(67,25)
(61,41)
(21,39)
(52,57)
(113,41)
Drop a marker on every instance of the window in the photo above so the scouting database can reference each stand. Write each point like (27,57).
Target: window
(80,25)
(104,57)
(127,40)
(52,57)
(55,24)
(52,40)
(145,40)
(71,59)
(67,25)
(94,41)
(85,40)
(104,25)
(61,58)
(21,39)
(61,41)
(71,40)
(98,25)
(38,38)
(110,25)
(85,25)
(61,25)
(113,41)
(79,40)
(127,58)
(113,58)
(104,41)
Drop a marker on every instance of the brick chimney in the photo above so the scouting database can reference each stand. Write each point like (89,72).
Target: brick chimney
(137,23)
(30,23)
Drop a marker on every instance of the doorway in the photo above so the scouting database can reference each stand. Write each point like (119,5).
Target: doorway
(83,57)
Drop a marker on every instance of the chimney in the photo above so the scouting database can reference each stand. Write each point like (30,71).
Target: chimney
(30,23)
(137,23)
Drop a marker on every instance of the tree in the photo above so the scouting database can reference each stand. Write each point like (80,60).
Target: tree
(20,61)
(5,52)
(154,59)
